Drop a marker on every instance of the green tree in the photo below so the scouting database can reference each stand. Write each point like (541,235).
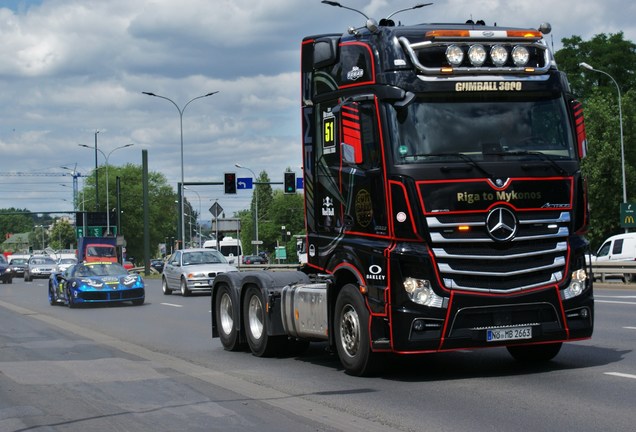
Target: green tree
(62,235)
(602,167)
(609,53)
(263,190)
(14,221)
(161,198)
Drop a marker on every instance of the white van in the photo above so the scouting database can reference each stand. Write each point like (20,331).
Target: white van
(620,247)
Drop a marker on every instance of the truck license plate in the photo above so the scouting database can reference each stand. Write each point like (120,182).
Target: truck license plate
(506,334)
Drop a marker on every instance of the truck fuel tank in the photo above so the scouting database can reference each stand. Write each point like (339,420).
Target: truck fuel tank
(304,311)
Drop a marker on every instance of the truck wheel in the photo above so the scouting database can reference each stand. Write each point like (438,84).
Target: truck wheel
(534,353)
(352,334)
(225,319)
(164,287)
(261,344)
(184,288)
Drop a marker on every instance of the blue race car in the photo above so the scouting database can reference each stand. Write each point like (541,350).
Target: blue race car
(95,282)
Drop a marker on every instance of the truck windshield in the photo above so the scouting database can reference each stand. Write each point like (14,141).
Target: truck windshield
(434,128)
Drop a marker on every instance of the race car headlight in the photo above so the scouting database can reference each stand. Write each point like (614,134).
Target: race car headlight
(477,55)
(132,281)
(520,55)
(577,284)
(420,292)
(454,55)
(499,55)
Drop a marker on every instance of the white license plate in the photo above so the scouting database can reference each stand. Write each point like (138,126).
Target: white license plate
(506,334)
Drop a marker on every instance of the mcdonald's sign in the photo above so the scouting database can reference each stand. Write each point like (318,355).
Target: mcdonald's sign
(628,215)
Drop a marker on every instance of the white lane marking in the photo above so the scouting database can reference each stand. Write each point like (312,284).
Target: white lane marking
(614,302)
(630,328)
(616,297)
(171,304)
(621,375)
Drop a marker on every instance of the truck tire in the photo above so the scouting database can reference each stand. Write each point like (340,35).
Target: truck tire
(261,344)
(534,353)
(352,334)
(225,319)
(164,286)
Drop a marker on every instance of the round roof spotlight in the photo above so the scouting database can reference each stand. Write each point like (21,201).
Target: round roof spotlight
(477,55)
(520,55)
(499,55)
(454,55)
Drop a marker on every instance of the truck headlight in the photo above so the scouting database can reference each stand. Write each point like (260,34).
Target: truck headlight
(420,292)
(577,284)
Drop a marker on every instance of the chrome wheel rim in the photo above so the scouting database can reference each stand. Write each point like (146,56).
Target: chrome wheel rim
(225,313)
(255,317)
(350,331)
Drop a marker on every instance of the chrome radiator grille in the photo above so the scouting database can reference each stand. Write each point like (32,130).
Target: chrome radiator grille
(471,259)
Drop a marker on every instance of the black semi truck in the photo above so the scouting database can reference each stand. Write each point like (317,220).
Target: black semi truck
(445,207)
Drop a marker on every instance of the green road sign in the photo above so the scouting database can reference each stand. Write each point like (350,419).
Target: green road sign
(628,215)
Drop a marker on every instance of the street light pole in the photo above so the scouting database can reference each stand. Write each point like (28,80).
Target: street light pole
(255,204)
(181,110)
(620,119)
(96,176)
(106,157)
(198,218)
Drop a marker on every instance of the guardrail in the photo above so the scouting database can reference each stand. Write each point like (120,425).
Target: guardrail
(625,270)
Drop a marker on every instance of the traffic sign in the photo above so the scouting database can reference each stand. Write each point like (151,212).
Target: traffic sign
(257,242)
(216,209)
(628,215)
(244,183)
(299,183)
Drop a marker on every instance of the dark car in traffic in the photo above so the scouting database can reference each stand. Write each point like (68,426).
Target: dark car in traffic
(157,264)
(254,259)
(6,272)
(18,265)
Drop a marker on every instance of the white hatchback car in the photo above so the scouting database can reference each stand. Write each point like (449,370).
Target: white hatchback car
(190,270)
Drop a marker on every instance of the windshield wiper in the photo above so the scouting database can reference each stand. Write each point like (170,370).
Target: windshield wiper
(470,161)
(539,155)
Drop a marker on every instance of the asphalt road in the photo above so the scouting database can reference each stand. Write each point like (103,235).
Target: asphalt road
(155,367)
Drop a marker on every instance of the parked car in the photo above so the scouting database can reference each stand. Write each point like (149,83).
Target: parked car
(254,259)
(128,265)
(95,282)
(190,270)
(39,266)
(157,264)
(6,271)
(64,263)
(18,264)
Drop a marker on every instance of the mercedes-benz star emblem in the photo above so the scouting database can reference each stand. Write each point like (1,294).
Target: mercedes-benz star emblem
(501,224)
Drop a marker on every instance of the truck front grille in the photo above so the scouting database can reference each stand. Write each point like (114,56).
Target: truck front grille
(470,259)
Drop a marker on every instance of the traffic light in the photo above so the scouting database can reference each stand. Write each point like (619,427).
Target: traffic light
(230,183)
(290,182)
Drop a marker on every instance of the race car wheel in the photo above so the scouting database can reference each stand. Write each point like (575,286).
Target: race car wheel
(226,320)
(70,299)
(52,300)
(352,334)
(261,344)
(164,287)
(184,288)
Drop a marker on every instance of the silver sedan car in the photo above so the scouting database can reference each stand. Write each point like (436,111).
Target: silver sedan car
(190,270)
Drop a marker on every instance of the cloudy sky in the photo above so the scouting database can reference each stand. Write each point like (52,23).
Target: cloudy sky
(69,68)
